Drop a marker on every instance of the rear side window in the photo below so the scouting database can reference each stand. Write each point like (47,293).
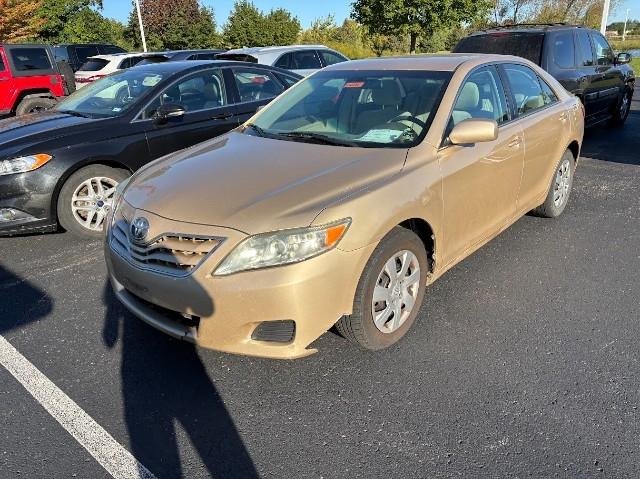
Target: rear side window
(61,53)
(94,65)
(1,64)
(563,50)
(305,60)
(254,85)
(285,61)
(585,58)
(548,95)
(85,52)
(525,88)
(522,44)
(331,58)
(25,59)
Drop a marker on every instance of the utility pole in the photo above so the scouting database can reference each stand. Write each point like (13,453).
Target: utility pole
(144,40)
(624,31)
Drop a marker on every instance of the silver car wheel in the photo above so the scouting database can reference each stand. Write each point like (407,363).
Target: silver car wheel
(626,104)
(562,183)
(395,292)
(92,200)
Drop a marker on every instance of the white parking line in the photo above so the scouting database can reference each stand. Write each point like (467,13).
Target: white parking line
(117,461)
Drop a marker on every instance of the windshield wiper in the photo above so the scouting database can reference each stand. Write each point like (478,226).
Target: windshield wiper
(256,128)
(319,138)
(74,113)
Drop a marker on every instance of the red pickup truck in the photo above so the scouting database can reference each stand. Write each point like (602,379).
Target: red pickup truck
(30,79)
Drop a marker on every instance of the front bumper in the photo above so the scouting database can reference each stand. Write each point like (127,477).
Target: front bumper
(314,294)
(28,195)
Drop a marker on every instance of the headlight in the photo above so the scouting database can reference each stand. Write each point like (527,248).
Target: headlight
(282,247)
(23,164)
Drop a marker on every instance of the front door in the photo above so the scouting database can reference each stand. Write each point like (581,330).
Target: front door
(208,113)
(481,181)
(6,92)
(609,81)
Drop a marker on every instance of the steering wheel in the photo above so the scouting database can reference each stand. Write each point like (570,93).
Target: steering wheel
(411,118)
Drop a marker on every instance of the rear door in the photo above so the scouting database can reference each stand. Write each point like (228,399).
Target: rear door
(587,77)
(6,90)
(253,88)
(209,112)
(608,77)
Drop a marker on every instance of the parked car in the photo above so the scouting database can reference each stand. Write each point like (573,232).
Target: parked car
(301,59)
(29,79)
(102,65)
(340,201)
(581,59)
(76,54)
(62,166)
(180,55)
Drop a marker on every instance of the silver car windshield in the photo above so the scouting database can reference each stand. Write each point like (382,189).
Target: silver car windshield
(112,95)
(356,108)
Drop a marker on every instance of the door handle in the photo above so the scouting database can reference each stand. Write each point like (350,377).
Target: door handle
(515,141)
(222,116)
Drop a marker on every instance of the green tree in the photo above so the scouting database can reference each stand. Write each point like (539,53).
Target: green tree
(245,26)
(58,13)
(88,25)
(281,26)
(416,18)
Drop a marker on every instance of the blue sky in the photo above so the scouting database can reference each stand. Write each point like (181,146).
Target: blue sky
(308,10)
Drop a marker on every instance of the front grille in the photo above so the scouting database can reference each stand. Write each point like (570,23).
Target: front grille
(170,253)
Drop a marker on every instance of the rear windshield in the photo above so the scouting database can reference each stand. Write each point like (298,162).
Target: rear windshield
(25,59)
(521,44)
(94,65)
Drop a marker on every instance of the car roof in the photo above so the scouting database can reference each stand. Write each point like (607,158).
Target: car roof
(118,56)
(276,49)
(431,62)
(527,27)
(187,65)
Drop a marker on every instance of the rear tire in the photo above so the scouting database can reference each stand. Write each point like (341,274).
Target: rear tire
(403,293)
(560,188)
(86,198)
(33,105)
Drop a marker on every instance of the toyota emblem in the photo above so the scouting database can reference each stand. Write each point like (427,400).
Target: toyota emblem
(139,229)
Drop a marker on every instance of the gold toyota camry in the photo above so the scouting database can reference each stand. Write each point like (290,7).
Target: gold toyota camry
(341,201)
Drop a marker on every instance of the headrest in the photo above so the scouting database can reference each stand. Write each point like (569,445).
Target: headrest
(387,93)
(211,92)
(469,97)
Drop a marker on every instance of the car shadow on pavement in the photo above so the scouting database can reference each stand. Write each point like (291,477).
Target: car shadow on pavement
(164,382)
(22,302)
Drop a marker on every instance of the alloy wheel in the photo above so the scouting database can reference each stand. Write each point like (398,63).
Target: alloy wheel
(92,200)
(562,183)
(395,292)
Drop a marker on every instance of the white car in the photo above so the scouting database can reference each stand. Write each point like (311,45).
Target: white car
(99,66)
(301,59)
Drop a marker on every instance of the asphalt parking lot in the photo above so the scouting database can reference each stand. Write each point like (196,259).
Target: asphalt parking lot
(524,362)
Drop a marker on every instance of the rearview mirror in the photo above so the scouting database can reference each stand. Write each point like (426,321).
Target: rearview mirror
(473,130)
(623,58)
(166,112)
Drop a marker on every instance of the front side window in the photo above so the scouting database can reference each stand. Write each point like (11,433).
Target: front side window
(112,95)
(255,85)
(202,91)
(604,54)
(356,108)
(331,58)
(586,53)
(26,59)
(563,50)
(481,96)
(525,88)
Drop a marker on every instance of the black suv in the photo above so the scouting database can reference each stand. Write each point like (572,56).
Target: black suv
(76,54)
(581,59)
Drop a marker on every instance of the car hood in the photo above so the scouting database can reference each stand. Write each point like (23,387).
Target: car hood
(23,131)
(255,184)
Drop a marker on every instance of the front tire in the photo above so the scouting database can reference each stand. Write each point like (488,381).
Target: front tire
(389,293)
(622,110)
(86,198)
(560,188)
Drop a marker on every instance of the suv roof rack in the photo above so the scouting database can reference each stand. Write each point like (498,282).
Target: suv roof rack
(528,25)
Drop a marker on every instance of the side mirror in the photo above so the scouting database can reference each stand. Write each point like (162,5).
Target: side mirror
(474,130)
(623,58)
(165,112)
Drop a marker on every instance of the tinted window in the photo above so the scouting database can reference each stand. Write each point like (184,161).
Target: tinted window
(126,63)
(61,53)
(94,65)
(85,52)
(525,87)
(331,58)
(25,59)
(604,54)
(563,50)
(256,85)
(481,96)
(111,49)
(586,54)
(284,61)
(548,94)
(1,64)
(207,56)
(202,91)
(521,44)
(305,60)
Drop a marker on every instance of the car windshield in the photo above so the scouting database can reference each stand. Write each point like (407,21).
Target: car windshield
(112,95)
(355,108)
